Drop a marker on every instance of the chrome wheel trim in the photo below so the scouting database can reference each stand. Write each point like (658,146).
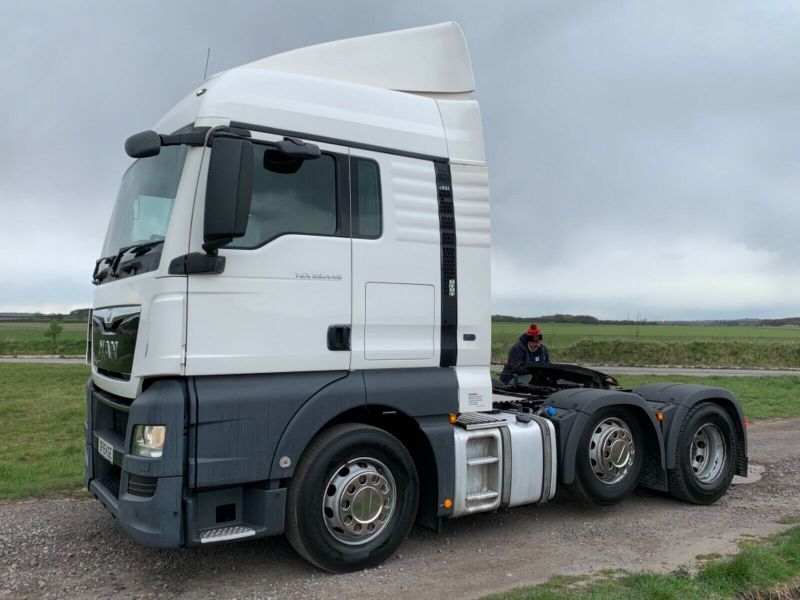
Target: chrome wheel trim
(707,453)
(359,501)
(611,450)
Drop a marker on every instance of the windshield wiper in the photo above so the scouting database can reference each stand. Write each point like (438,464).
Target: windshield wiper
(98,276)
(114,262)
(136,250)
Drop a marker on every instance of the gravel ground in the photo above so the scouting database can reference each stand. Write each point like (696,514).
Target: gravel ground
(70,547)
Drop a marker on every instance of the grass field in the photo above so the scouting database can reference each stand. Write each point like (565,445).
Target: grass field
(753,573)
(687,345)
(28,338)
(559,335)
(42,411)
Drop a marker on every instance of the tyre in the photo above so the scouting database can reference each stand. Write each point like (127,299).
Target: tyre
(609,458)
(705,457)
(353,498)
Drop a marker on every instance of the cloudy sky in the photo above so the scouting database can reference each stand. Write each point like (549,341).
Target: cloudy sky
(644,156)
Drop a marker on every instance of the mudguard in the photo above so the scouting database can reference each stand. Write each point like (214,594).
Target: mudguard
(328,403)
(239,419)
(675,400)
(426,394)
(578,406)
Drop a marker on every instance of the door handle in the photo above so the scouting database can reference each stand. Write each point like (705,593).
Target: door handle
(339,337)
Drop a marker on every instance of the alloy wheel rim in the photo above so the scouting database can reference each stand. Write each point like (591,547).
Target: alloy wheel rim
(611,450)
(707,453)
(359,501)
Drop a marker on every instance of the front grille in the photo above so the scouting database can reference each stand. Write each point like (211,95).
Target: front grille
(110,421)
(114,332)
(120,424)
(141,486)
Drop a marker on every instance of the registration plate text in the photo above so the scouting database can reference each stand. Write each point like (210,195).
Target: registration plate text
(105,450)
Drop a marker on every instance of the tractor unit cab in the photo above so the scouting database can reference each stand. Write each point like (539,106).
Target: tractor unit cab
(311,211)
(291,325)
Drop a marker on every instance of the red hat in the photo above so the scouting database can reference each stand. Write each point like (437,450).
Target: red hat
(534,330)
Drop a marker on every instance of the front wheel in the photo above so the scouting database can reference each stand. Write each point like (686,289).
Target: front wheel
(609,457)
(705,455)
(353,498)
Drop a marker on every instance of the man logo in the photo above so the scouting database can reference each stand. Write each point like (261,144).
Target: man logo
(107,350)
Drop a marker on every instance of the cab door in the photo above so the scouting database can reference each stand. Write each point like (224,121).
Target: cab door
(283,302)
(396,262)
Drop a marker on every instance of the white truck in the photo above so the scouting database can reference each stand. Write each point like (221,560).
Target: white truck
(291,325)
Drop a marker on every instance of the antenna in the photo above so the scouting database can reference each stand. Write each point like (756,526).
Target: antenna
(205,72)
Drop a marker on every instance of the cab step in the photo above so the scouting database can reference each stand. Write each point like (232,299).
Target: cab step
(482,460)
(481,496)
(224,534)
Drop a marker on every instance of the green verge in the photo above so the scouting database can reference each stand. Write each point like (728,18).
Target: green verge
(694,345)
(42,411)
(741,354)
(760,397)
(752,354)
(759,567)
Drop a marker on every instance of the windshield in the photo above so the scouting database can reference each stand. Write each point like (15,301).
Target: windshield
(144,204)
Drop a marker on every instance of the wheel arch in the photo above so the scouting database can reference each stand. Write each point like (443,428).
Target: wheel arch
(411,404)
(586,402)
(682,397)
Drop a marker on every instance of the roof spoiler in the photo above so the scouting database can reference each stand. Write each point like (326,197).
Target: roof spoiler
(428,60)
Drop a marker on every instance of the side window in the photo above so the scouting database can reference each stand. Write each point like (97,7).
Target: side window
(302,202)
(365,194)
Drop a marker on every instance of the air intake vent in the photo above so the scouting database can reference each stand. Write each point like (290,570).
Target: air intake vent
(447,236)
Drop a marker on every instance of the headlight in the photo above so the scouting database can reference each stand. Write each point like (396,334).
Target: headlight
(148,440)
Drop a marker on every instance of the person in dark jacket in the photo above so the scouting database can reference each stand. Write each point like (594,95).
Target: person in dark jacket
(528,349)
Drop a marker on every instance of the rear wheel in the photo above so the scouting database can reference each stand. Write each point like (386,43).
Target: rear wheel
(353,498)
(609,457)
(705,455)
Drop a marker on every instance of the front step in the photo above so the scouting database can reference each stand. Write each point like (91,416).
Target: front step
(224,534)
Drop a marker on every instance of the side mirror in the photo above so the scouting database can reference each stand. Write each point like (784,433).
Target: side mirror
(229,191)
(143,144)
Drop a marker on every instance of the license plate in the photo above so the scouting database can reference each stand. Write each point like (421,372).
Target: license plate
(105,450)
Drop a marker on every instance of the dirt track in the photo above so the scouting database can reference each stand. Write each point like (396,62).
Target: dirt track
(72,548)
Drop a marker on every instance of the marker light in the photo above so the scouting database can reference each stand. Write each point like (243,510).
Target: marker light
(148,440)
(453,418)
(660,416)
(746,422)
(448,503)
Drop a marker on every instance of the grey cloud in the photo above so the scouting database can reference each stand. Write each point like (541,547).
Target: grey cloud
(618,135)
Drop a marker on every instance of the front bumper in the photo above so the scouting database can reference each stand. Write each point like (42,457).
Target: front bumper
(144,494)
(149,496)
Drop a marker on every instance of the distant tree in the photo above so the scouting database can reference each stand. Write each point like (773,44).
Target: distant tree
(53,331)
